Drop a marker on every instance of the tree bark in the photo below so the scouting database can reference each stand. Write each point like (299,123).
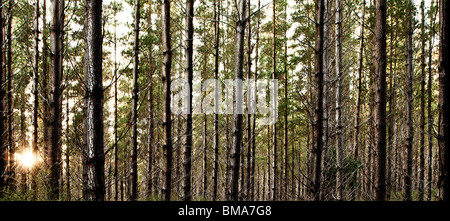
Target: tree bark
(410,102)
(339,146)
(3,116)
(167,127)
(380,100)
(216,101)
(187,162)
(274,132)
(232,194)
(318,110)
(422,108)
(93,155)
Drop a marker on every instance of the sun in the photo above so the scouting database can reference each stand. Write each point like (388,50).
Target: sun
(27,159)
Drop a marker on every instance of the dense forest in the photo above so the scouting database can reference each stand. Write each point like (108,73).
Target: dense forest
(251,100)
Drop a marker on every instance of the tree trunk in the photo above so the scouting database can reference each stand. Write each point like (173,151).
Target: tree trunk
(339,146)
(235,153)
(187,162)
(150,109)
(249,104)
(274,132)
(216,101)
(358,95)
(380,100)
(93,155)
(410,102)
(3,116)
(429,110)
(167,127)
(318,110)
(135,98)
(116,79)
(422,109)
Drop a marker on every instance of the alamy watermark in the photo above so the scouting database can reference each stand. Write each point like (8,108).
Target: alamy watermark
(227,97)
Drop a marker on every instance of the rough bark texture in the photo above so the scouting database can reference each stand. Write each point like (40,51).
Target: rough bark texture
(410,103)
(3,147)
(339,145)
(380,100)
(167,127)
(318,110)
(274,132)
(93,154)
(232,194)
(187,163)
(216,101)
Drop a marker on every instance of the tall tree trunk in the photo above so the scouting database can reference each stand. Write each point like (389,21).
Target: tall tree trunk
(429,110)
(444,93)
(410,102)
(56,47)
(274,132)
(3,116)
(135,98)
(34,139)
(318,110)
(380,100)
(93,155)
(216,101)
(422,109)
(339,146)
(249,103)
(235,153)
(116,79)
(187,162)
(167,127)
(358,95)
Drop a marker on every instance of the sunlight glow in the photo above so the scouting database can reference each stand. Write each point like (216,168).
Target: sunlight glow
(27,159)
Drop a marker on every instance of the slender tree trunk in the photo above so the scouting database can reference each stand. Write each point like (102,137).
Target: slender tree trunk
(274,132)
(339,146)
(380,100)
(187,162)
(429,109)
(167,127)
(444,93)
(422,109)
(318,110)
(135,98)
(249,103)
(116,79)
(93,155)
(34,139)
(358,95)
(3,117)
(216,101)
(410,103)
